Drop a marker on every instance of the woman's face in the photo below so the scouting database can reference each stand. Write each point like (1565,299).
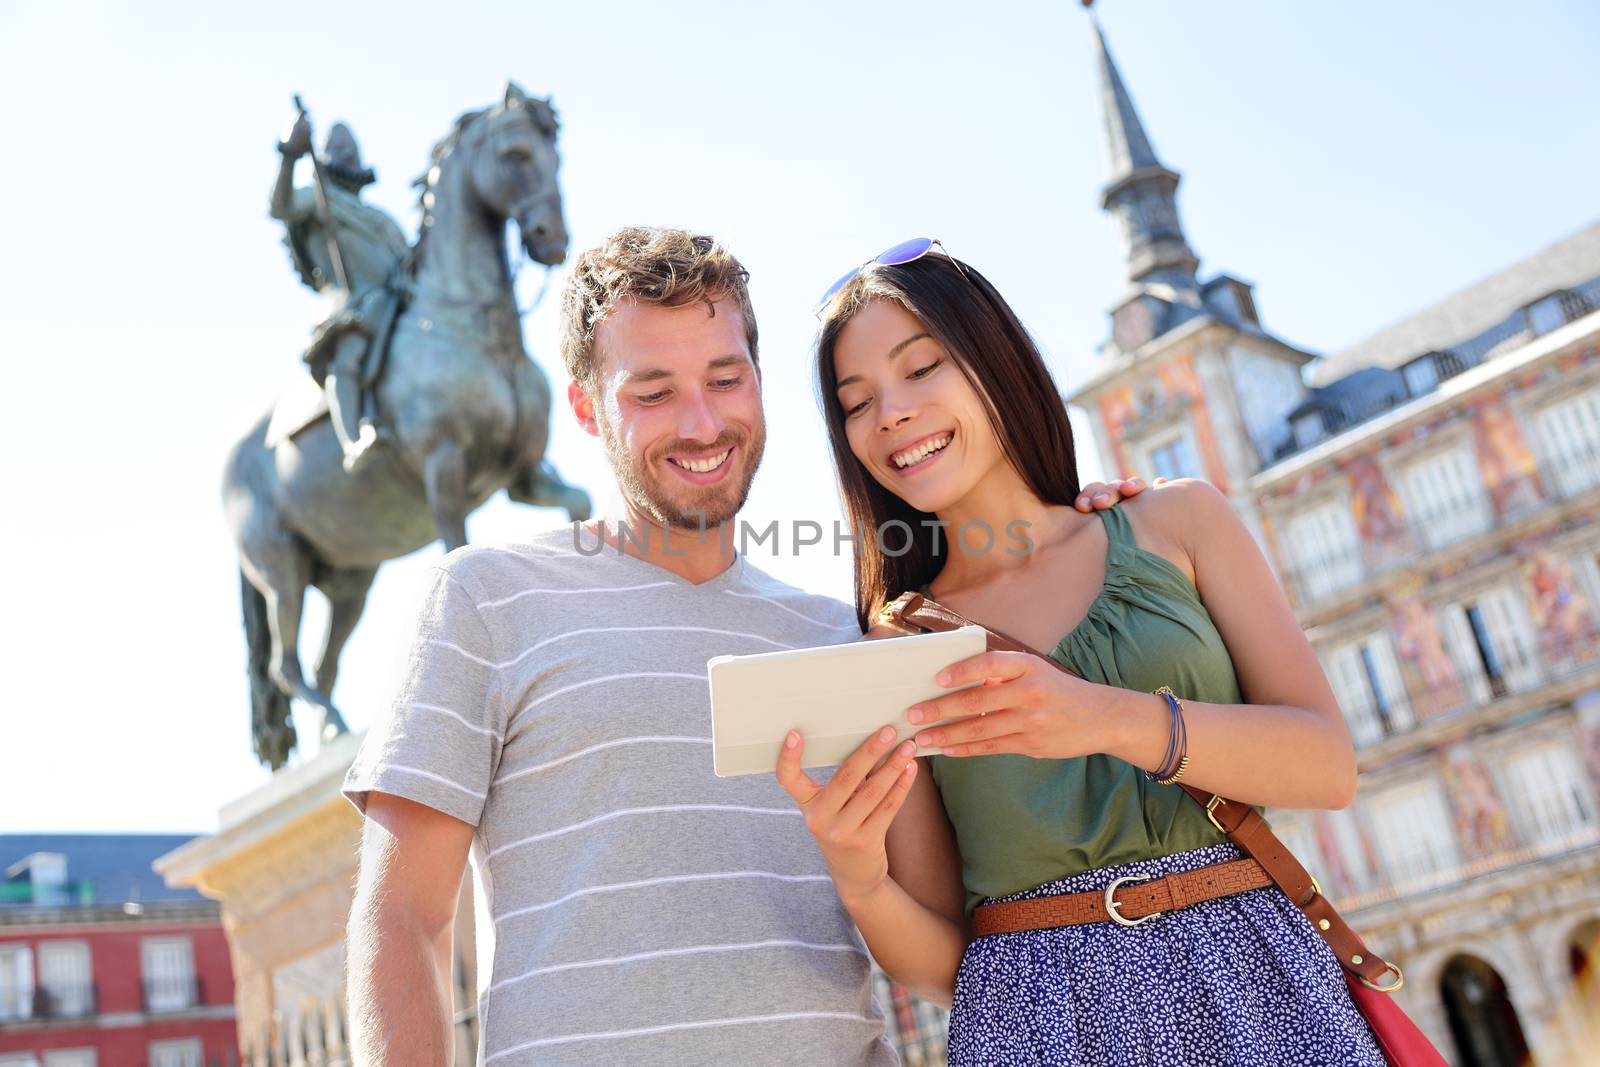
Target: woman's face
(910,415)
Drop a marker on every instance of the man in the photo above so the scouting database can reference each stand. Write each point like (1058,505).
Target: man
(356,262)
(554,721)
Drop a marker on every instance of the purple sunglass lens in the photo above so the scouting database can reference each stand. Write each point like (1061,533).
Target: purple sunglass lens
(906,251)
(836,286)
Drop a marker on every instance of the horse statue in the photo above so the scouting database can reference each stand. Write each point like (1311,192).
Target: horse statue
(464,412)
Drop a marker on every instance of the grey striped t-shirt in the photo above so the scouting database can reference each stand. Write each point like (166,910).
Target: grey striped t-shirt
(636,908)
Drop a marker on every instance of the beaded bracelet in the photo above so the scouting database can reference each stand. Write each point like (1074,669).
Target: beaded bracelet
(1176,759)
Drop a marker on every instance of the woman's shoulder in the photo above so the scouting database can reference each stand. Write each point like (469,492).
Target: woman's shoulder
(1174,519)
(1171,501)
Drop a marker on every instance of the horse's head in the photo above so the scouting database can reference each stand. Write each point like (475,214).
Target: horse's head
(514,172)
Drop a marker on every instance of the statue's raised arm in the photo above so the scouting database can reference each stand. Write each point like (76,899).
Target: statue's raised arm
(352,250)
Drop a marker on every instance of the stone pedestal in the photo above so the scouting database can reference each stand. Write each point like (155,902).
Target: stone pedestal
(283,865)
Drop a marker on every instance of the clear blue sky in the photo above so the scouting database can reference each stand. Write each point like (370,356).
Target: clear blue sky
(1356,160)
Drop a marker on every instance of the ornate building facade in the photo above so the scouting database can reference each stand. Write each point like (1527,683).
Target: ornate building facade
(1430,500)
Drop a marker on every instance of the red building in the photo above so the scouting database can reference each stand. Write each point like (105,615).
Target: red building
(102,965)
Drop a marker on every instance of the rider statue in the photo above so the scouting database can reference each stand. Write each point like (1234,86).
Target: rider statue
(353,252)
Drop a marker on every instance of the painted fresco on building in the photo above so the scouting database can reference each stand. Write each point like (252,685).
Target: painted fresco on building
(1562,615)
(1433,680)
(1117,411)
(1179,378)
(1481,822)
(1376,509)
(1509,471)
(1175,387)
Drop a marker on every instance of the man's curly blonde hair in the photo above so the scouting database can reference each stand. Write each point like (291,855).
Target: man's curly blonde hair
(672,268)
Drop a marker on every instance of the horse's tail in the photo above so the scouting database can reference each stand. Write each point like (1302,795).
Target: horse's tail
(271,726)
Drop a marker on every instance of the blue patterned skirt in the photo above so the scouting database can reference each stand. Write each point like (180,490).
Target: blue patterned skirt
(1243,979)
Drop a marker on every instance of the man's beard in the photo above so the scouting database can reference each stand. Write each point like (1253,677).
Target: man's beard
(697,507)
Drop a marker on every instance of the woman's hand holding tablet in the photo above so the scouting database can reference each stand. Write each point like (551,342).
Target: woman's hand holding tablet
(851,813)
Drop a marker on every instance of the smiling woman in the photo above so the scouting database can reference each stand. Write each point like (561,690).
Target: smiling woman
(999,874)
(952,345)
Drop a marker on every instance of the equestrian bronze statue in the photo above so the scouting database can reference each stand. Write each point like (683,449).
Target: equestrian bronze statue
(428,402)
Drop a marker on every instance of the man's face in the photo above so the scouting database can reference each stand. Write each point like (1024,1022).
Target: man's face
(678,405)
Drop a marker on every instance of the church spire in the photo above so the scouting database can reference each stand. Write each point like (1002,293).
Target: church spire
(1125,137)
(1142,193)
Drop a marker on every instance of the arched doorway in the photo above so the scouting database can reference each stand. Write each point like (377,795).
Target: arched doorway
(1583,957)
(1482,1020)
(1583,951)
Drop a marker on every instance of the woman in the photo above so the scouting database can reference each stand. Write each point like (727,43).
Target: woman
(942,415)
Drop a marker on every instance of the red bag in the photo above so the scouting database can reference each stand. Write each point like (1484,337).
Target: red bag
(1365,972)
(1402,1043)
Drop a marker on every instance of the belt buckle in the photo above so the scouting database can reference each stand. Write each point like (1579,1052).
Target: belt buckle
(1112,905)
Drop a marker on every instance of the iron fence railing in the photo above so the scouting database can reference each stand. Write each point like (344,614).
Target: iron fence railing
(1413,875)
(1566,475)
(70,1000)
(1516,329)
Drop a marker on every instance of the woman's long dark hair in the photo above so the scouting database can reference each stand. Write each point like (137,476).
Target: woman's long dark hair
(984,337)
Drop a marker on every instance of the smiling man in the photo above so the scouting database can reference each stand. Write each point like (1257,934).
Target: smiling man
(553,721)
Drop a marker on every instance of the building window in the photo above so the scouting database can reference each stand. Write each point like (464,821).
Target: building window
(1421,375)
(1324,549)
(66,978)
(1569,436)
(70,1057)
(169,983)
(1550,802)
(1366,679)
(1414,832)
(16,982)
(1308,429)
(1174,458)
(1445,498)
(1491,640)
(184,1053)
(18,1059)
(1546,315)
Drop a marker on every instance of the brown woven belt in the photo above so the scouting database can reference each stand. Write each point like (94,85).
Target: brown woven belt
(1129,901)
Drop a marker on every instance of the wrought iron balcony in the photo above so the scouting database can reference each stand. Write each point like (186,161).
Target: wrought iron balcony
(1568,475)
(75,1000)
(52,1002)
(1515,330)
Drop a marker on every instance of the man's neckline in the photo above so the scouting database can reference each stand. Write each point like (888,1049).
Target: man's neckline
(729,575)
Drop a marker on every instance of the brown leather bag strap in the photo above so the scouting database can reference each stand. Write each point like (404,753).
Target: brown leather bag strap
(1243,825)
(925,613)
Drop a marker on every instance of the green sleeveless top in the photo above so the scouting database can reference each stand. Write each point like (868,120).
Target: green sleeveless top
(1020,821)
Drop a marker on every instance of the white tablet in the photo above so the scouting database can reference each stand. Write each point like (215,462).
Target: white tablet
(836,696)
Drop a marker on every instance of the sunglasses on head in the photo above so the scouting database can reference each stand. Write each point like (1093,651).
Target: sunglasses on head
(893,256)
